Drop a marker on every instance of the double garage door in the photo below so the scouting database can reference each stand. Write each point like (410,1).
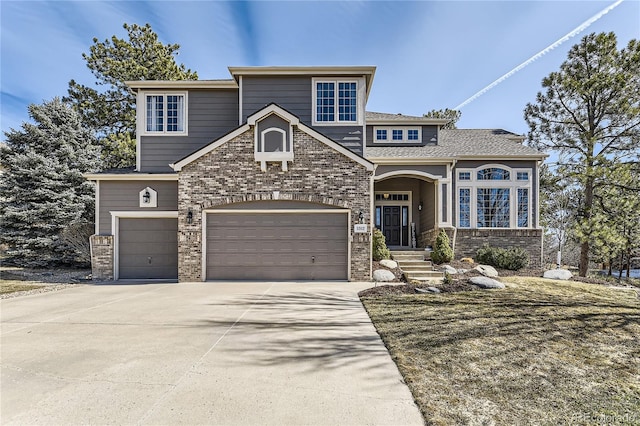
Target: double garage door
(242,245)
(298,245)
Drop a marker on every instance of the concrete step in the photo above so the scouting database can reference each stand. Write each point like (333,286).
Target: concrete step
(407,257)
(415,263)
(417,271)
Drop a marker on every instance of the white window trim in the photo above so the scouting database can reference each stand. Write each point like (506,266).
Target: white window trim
(360,97)
(512,184)
(142,113)
(405,135)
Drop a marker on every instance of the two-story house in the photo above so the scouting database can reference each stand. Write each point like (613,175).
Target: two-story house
(280,173)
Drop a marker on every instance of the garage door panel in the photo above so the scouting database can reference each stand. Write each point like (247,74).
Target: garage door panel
(277,246)
(148,248)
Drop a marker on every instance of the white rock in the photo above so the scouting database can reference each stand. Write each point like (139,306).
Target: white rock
(449,269)
(558,274)
(383,275)
(486,282)
(387,263)
(487,271)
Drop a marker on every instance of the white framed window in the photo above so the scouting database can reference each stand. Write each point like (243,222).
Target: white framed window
(494,196)
(165,113)
(337,101)
(397,134)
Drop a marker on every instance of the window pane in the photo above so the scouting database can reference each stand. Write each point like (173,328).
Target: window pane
(397,135)
(464,176)
(493,208)
(175,113)
(325,101)
(412,135)
(522,176)
(494,173)
(347,102)
(465,208)
(523,207)
(381,135)
(155,110)
(378,216)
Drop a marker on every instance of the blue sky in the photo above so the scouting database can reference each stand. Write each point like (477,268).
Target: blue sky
(429,54)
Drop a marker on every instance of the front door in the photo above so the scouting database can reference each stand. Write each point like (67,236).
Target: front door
(391,225)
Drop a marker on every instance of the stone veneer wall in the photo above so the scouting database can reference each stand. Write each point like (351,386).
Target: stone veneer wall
(101,257)
(230,174)
(468,241)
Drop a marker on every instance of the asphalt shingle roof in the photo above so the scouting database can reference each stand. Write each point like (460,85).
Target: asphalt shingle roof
(383,116)
(461,143)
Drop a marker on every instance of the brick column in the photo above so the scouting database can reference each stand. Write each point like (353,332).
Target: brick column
(101,257)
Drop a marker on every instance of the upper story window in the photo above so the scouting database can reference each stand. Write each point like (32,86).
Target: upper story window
(165,113)
(494,173)
(341,103)
(337,101)
(398,134)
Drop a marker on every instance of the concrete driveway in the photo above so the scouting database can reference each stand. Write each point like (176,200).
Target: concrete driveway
(214,353)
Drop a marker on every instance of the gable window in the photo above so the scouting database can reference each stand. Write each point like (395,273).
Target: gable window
(494,197)
(336,101)
(397,134)
(165,113)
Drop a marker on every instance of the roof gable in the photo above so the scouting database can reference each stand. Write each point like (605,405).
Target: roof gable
(251,122)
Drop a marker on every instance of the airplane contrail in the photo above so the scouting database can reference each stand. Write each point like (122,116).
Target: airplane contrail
(543,52)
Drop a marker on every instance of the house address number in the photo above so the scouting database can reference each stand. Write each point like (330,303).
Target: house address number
(359,228)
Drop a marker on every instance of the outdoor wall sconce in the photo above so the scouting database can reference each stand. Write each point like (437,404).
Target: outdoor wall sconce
(146,197)
(420,206)
(190,217)
(361,217)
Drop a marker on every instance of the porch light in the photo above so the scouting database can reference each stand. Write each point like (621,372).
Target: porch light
(420,206)
(190,217)
(361,216)
(385,196)
(146,197)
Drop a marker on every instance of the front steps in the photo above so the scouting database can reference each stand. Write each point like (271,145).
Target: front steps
(414,266)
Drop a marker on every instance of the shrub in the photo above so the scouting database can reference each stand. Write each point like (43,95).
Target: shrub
(512,259)
(442,251)
(380,250)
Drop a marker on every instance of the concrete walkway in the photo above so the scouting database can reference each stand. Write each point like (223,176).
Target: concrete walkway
(214,353)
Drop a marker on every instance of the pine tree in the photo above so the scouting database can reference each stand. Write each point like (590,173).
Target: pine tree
(42,188)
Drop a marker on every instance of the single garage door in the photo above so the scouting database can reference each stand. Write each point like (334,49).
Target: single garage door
(148,248)
(277,246)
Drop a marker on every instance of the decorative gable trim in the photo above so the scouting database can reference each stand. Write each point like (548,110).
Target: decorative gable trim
(261,114)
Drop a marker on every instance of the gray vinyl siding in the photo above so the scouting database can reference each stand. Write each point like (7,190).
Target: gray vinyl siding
(428,132)
(210,114)
(292,93)
(348,136)
(124,196)
(515,164)
(295,94)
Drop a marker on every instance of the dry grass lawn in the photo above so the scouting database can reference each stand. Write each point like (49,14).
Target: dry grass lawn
(12,286)
(539,352)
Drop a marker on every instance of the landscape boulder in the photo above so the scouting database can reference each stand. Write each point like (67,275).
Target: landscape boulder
(383,275)
(486,282)
(558,274)
(428,290)
(387,263)
(449,269)
(487,271)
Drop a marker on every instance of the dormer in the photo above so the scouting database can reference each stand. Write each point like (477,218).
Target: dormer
(402,130)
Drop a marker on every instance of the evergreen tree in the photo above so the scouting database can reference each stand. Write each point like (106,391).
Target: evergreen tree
(43,190)
(451,114)
(590,116)
(111,112)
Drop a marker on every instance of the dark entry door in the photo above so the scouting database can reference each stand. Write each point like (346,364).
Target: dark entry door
(391,225)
